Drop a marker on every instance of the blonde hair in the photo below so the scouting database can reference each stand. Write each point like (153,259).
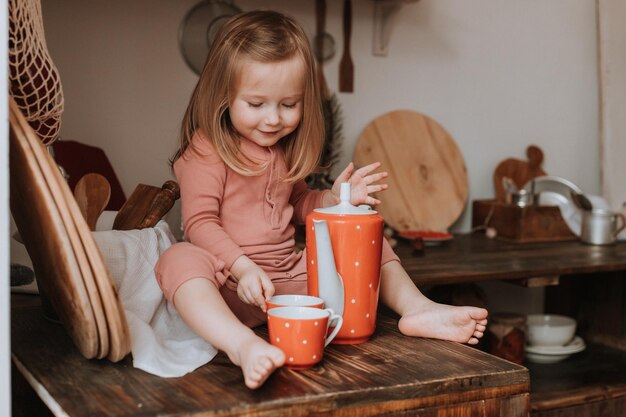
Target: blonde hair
(265,37)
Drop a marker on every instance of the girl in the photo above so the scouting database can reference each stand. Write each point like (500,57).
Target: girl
(252,132)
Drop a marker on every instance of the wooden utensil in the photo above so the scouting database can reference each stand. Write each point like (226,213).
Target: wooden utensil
(346,67)
(136,207)
(519,171)
(92,193)
(162,203)
(59,275)
(320,33)
(427,177)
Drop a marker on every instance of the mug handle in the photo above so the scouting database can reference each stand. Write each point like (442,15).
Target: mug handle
(331,318)
(621,219)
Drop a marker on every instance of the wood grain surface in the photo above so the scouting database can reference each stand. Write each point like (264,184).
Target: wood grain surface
(117,327)
(42,227)
(389,374)
(427,180)
(473,258)
(161,204)
(346,66)
(522,224)
(135,209)
(113,335)
(55,184)
(92,193)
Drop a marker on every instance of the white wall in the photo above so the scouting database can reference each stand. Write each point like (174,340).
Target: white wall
(613,108)
(5,338)
(497,75)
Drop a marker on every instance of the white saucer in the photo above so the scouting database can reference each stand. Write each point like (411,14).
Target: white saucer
(553,354)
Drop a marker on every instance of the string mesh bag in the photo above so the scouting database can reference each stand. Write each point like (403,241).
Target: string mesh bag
(34,81)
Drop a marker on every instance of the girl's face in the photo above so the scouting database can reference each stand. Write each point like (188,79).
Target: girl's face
(267,104)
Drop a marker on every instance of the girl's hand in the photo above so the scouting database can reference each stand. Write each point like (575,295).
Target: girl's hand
(254,287)
(362,183)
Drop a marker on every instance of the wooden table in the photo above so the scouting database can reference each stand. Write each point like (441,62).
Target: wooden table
(474,258)
(391,374)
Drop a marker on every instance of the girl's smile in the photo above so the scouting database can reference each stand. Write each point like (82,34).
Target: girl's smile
(267,104)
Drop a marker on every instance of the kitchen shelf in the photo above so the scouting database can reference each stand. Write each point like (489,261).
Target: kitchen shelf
(591,288)
(385,13)
(585,382)
(474,258)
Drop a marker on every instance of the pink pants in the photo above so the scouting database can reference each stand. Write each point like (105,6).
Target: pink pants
(184,261)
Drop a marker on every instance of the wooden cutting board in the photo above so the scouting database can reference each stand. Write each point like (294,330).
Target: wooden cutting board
(112,328)
(117,326)
(427,180)
(41,227)
(519,171)
(53,178)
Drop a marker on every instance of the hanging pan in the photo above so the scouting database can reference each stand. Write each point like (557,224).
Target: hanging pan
(199,27)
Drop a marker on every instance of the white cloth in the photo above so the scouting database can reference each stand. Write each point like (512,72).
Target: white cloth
(161,343)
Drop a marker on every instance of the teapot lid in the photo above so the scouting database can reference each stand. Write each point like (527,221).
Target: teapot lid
(344,206)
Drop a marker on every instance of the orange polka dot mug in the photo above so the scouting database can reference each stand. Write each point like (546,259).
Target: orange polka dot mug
(302,333)
(294,300)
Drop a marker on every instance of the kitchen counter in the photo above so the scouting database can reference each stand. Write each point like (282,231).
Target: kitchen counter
(391,374)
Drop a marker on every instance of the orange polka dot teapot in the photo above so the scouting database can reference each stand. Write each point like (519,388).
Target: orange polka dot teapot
(343,247)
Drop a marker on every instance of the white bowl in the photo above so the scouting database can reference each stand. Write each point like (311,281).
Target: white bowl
(549,329)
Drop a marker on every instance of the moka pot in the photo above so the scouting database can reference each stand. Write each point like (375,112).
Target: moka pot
(344,246)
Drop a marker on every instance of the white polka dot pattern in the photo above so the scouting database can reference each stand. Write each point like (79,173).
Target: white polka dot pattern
(355,241)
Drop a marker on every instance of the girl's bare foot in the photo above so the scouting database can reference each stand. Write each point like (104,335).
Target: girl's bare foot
(441,321)
(257,359)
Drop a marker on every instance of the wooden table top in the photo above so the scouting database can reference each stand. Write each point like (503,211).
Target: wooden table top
(388,374)
(472,258)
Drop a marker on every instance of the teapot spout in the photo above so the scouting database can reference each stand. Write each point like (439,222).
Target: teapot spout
(330,282)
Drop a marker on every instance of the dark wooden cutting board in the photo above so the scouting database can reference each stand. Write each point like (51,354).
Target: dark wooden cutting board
(518,170)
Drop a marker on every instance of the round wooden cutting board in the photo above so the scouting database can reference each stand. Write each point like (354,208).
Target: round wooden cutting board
(427,175)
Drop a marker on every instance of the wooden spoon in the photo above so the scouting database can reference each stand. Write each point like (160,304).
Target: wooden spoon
(92,193)
(346,67)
